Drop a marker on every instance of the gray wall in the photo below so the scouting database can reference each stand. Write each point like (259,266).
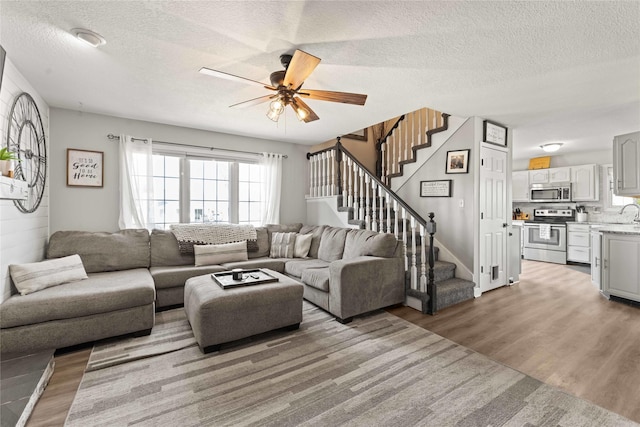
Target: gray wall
(97,209)
(455,228)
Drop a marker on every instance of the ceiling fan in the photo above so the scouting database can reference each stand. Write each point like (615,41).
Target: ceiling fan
(287,85)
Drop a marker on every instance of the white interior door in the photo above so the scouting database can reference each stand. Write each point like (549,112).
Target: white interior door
(493,219)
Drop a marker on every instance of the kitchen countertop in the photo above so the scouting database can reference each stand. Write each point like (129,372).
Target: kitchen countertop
(620,228)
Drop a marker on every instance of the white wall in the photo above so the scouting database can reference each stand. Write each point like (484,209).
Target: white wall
(571,159)
(97,209)
(455,225)
(22,236)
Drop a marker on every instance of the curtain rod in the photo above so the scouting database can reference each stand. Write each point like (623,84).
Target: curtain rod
(112,136)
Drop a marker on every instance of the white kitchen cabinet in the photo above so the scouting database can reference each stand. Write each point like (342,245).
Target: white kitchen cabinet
(621,265)
(585,183)
(520,186)
(539,176)
(596,259)
(559,175)
(578,243)
(626,164)
(550,176)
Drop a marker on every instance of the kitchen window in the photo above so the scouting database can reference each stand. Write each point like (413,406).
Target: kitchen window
(612,201)
(192,188)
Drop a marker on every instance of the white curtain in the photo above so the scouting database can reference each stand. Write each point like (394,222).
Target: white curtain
(136,183)
(271,187)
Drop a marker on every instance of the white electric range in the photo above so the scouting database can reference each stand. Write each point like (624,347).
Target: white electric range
(545,236)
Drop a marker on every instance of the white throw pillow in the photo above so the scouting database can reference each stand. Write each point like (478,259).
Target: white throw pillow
(36,276)
(302,246)
(219,254)
(282,245)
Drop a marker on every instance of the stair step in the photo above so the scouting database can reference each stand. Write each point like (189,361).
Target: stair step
(453,291)
(442,270)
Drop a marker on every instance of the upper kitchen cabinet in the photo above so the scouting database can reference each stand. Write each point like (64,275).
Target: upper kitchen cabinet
(549,176)
(585,182)
(559,175)
(539,176)
(520,186)
(626,164)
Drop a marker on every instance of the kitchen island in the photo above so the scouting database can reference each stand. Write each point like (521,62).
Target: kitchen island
(620,267)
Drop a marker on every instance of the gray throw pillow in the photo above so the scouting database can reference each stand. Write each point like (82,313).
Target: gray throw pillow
(282,245)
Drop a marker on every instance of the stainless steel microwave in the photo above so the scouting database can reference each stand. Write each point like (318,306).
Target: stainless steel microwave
(557,192)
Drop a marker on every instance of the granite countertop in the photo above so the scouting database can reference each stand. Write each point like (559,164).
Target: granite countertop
(620,228)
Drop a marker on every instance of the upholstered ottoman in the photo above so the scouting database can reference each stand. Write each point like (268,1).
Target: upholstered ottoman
(218,315)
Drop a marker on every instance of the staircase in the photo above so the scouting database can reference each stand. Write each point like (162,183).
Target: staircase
(371,204)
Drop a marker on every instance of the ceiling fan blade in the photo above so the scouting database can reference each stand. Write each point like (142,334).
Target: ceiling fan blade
(299,103)
(232,77)
(302,64)
(325,95)
(254,101)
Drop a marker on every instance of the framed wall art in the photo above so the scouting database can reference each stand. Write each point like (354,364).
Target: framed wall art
(85,168)
(494,133)
(360,135)
(458,161)
(437,188)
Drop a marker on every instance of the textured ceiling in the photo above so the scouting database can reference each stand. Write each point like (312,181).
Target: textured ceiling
(565,71)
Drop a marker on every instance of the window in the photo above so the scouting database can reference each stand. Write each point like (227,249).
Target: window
(612,201)
(199,189)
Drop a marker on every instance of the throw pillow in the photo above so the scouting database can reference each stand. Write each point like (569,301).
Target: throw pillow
(219,254)
(282,245)
(36,276)
(302,245)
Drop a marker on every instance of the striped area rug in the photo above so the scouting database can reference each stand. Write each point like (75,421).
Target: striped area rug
(378,370)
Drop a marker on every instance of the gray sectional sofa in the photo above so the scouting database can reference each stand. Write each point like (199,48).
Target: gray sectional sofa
(133,272)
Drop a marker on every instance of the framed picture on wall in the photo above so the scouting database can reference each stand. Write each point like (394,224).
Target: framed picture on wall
(85,168)
(458,161)
(360,135)
(494,133)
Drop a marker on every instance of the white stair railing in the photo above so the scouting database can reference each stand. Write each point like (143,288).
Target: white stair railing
(334,171)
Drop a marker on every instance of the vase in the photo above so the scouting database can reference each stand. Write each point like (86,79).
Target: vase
(6,166)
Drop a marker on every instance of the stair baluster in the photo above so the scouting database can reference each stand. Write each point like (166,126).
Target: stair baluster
(389,202)
(356,194)
(414,268)
(374,193)
(349,166)
(362,195)
(311,169)
(404,239)
(423,259)
(332,172)
(367,214)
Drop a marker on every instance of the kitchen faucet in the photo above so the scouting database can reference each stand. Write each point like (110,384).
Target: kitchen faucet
(637,217)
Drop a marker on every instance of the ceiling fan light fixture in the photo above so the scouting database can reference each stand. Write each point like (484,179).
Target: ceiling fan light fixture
(550,148)
(275,109)
(87,36)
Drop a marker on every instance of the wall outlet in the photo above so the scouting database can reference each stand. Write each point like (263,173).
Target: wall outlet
(461,203)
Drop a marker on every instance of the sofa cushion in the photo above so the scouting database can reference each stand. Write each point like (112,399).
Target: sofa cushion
(282,245)
(332,243)
(174,276)
(166,251)
(316,232)
(263,243)
(100,251)
(297,266)
(35,276)
(218,254)
(369,243)
(282,228)
(302,246)
(316,278)
(100,293)
(275,264)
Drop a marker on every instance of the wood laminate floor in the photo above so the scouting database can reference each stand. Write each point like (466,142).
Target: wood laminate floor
(553,325)
(556,327)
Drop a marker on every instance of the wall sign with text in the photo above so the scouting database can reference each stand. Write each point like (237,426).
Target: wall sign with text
(494,133)
(85,168)
(439,188)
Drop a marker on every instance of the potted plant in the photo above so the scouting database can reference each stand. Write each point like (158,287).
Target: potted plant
(6,161)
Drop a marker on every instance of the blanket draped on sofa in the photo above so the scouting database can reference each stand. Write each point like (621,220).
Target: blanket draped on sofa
(214,234)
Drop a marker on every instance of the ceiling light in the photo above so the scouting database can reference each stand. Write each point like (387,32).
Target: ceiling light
(275,109)
(301,112)
(550,148)
(88,36)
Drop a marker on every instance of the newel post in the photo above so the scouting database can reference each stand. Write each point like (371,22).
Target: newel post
(339,164)
(431,287)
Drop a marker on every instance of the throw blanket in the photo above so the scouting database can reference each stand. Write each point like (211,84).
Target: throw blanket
(214,234)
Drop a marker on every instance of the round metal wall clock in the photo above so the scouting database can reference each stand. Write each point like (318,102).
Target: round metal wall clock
(26,138)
